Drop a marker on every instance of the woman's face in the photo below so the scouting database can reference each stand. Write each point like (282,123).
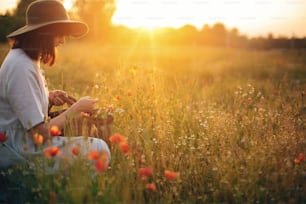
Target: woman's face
(59,40)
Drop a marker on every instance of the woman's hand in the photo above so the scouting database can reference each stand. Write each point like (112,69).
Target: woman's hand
(59,98)
(85,104)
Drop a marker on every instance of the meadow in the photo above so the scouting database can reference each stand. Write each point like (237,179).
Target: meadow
(200,125)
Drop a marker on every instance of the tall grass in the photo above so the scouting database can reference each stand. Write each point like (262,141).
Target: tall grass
(231,122)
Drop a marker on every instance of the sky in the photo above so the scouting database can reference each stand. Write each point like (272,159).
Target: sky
(250,17)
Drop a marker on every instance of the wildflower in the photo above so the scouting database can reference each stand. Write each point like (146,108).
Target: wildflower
(150,186)
(145,172)
(93,155)
(124,148)
(129,93)
(118,98)
(75,151)
(101,163)
(117,138)
(3,137)
(38,138)
(53,197)
(85,115)
(171,175)
(133,71)
(52,151)
(55,131)
(301,157)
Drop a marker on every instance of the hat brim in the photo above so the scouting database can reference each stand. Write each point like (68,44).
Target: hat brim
(69,27)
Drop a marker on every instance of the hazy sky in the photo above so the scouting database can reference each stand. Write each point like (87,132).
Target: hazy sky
(251,17)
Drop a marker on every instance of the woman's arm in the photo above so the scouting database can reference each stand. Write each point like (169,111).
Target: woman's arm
(85,104)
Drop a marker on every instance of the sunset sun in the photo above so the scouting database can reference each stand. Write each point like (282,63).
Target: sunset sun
(68,4)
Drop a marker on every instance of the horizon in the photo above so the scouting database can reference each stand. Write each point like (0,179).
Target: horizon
(281,18)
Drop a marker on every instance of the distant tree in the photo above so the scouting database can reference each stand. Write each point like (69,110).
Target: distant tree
(204,35)
(11,21)
(219,33)
(7,22)
(233,39)
(97,14)
(188,34)
(270,36)
(20,10)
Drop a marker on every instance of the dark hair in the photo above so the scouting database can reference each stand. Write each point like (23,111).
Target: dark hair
(39,44)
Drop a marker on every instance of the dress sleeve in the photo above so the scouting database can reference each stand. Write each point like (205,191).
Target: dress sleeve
(25,95)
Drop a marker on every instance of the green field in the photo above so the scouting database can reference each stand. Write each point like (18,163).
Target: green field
(231,122)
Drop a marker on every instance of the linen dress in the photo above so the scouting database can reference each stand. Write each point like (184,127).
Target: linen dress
(24,104)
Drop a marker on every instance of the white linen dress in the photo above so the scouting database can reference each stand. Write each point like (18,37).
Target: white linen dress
(24,104)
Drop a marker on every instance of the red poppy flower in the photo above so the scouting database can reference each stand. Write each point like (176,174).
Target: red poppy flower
(55,131)
(38,138)
(117,138)
(124,148)
(150,186)
(93,155)
(101,163)
(171,175)
(301,157)
(75,151)
(52,151)
(145,172)
(3,137)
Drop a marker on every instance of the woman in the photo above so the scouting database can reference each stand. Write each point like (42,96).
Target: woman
(24,96)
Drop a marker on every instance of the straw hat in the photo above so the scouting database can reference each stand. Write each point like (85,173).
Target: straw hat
(43,13)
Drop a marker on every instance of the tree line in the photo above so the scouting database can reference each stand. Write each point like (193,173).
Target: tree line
(98,14)
(215,35)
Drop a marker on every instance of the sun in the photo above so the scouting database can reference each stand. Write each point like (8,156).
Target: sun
(144,14)
(68,4)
